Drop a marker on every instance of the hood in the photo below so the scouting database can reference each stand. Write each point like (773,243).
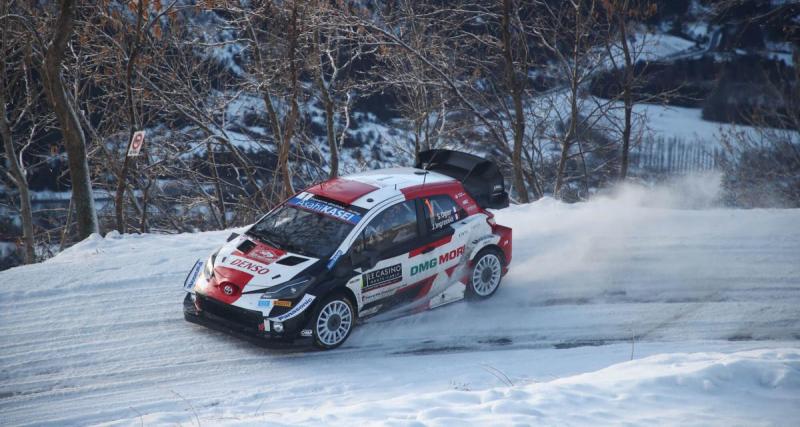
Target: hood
(252,265)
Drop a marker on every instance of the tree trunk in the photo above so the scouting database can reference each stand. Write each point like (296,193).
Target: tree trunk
(516,93)
(331,137)
(16,173)
(291,119)
(327,103)
(574,113)
(626,94)
(119,197)
(562,163)
(74,139)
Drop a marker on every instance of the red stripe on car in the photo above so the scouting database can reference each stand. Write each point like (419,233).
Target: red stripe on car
(443,241)
(342,190)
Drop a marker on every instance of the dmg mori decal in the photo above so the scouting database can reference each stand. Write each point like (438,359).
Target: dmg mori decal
(433,262)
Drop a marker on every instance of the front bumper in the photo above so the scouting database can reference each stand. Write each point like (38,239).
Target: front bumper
(239,322)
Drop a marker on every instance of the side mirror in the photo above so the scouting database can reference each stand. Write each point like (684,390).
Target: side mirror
(232,236)
(343,267)
(365,260)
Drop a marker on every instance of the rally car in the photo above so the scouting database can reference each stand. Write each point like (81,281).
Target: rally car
(391,241)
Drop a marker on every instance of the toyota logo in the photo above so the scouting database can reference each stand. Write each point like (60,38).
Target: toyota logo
(227,289)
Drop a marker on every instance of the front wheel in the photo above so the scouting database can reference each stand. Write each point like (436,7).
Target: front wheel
(334,319)
(487,270)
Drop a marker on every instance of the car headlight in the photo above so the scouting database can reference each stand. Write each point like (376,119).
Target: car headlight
(208,269)
(289,290)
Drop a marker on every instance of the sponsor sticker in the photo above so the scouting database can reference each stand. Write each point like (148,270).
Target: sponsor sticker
(265,307)
(302,305)
(430,264)
(326,209)
(191,278)
(334,259)
(382,277)
(264,255)
(305,333)
(245,265)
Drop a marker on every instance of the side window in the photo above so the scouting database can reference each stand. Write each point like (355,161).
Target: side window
(441,211)
(397,224)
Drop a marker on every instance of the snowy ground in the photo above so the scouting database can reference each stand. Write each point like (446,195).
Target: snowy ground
(706,303)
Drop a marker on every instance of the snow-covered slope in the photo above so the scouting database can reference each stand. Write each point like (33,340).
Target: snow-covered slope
(705,302)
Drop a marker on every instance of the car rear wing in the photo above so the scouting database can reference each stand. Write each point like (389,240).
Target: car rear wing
(481,178)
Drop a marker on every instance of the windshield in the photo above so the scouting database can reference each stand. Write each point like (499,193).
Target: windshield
(308,233)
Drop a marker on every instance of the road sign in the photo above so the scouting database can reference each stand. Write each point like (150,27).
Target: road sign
(136,143)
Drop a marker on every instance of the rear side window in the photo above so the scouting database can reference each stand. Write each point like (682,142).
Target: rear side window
(396,225)
(441,211)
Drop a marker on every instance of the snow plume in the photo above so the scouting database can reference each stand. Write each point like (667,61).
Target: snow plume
(699,190)
(635,261)
(667,242)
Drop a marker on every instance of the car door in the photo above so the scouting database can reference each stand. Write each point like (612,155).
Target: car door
(443,217)
(389,237)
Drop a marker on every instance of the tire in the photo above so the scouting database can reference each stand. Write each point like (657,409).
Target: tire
(333,321)
(486,274)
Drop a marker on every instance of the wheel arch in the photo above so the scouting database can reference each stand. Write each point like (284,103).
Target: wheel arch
(325,292)
(490,246)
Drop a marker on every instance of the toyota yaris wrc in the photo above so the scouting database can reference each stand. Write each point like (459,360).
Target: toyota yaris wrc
(396,241)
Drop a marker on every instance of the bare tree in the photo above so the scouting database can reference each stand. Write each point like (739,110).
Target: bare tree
(572,34)
(72,132)
(762,164)
(16,171)
(336,47)
(279,39)
(141,26)
(466,45)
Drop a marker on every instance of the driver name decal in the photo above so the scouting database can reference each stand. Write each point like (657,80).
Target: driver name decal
(326,209)
(382,277)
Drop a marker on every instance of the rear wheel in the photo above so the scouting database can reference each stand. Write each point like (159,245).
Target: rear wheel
(487,271)
(334,319)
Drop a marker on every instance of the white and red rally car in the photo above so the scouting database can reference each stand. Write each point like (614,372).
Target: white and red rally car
(396,241)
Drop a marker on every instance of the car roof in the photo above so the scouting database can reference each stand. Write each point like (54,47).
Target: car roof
(367,189)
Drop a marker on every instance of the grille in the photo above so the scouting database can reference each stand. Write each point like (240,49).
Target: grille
(229,312)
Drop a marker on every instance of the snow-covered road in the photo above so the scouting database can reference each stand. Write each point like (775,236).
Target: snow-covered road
(707,302)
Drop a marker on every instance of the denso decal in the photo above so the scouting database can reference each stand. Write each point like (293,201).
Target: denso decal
(302,305)
(382,277)
(245,265)
(326,209)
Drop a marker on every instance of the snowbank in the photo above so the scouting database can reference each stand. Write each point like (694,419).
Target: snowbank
(760,387)
(704,300)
